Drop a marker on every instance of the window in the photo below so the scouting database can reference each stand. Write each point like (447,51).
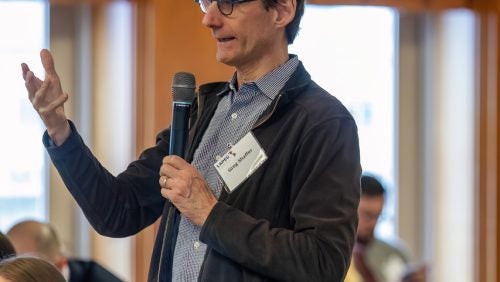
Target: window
(351,52)
(24,25)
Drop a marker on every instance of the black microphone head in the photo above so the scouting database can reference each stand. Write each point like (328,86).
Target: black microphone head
(183,87)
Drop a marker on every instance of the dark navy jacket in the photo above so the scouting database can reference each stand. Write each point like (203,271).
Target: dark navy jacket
(294,219)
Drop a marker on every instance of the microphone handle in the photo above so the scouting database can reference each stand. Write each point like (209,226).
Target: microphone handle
(179,129)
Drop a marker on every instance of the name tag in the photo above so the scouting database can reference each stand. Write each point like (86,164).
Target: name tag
(240,161)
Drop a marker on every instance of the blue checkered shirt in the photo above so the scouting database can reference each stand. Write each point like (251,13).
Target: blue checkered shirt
(236,113)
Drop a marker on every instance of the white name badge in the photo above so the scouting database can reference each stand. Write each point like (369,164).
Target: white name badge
(240,161)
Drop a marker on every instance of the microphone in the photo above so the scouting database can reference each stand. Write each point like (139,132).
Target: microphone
(183,87)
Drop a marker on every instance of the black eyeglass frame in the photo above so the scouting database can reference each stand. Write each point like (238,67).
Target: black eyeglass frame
(204,8)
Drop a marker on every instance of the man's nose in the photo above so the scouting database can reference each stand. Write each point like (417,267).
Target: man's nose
(212,16)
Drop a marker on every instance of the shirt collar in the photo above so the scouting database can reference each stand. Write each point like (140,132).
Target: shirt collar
(271,83)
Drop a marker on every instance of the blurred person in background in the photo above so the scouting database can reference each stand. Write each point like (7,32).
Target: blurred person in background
(40,239)
(374,259)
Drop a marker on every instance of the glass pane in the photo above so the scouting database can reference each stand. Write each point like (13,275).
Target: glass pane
(350,51)
(23,165)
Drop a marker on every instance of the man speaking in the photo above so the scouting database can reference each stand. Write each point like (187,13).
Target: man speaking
(270,183)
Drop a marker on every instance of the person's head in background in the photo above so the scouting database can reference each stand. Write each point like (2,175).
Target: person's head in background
(6,248)
(370,207)
(37,239)
(28,269)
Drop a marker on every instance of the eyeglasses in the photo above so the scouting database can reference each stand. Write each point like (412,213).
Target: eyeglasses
(225,6)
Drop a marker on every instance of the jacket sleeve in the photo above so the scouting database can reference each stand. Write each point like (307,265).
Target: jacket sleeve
(115,206)
(325,191)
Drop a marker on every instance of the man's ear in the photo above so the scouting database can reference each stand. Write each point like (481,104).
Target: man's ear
(285,12)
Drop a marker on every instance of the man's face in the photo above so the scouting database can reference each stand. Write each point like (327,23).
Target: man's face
(369,210)
(248,37)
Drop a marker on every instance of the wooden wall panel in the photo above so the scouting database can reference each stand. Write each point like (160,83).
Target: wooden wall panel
(488,249)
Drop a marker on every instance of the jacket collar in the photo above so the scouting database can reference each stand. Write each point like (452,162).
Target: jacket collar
(299,79)
(295,86)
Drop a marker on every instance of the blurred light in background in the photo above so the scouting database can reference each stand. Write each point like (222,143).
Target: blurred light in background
(23,165)
(352,52)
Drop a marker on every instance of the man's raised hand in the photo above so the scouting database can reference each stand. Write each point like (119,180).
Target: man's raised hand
(48,98)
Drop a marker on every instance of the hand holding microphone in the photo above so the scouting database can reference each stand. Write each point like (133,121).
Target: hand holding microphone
(181,182)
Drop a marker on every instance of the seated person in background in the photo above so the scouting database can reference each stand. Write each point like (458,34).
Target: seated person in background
(40,239)
(6,248)
(28,269)
(374,259)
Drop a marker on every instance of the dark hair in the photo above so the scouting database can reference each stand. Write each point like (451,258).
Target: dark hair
(293,27)
(29,269)
(6,248)
(371,186)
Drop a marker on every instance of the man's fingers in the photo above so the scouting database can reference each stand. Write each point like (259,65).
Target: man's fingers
(31,82)
(39,99)
(47,62)
(37,96)
(175,161)
(54,104)
(28,82)
(25,69)
(164,192)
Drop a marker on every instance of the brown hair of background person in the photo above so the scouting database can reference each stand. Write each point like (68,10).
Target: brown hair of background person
(6,248)
(28,269)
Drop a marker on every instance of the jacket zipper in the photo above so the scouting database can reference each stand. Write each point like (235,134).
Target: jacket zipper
(264,119)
